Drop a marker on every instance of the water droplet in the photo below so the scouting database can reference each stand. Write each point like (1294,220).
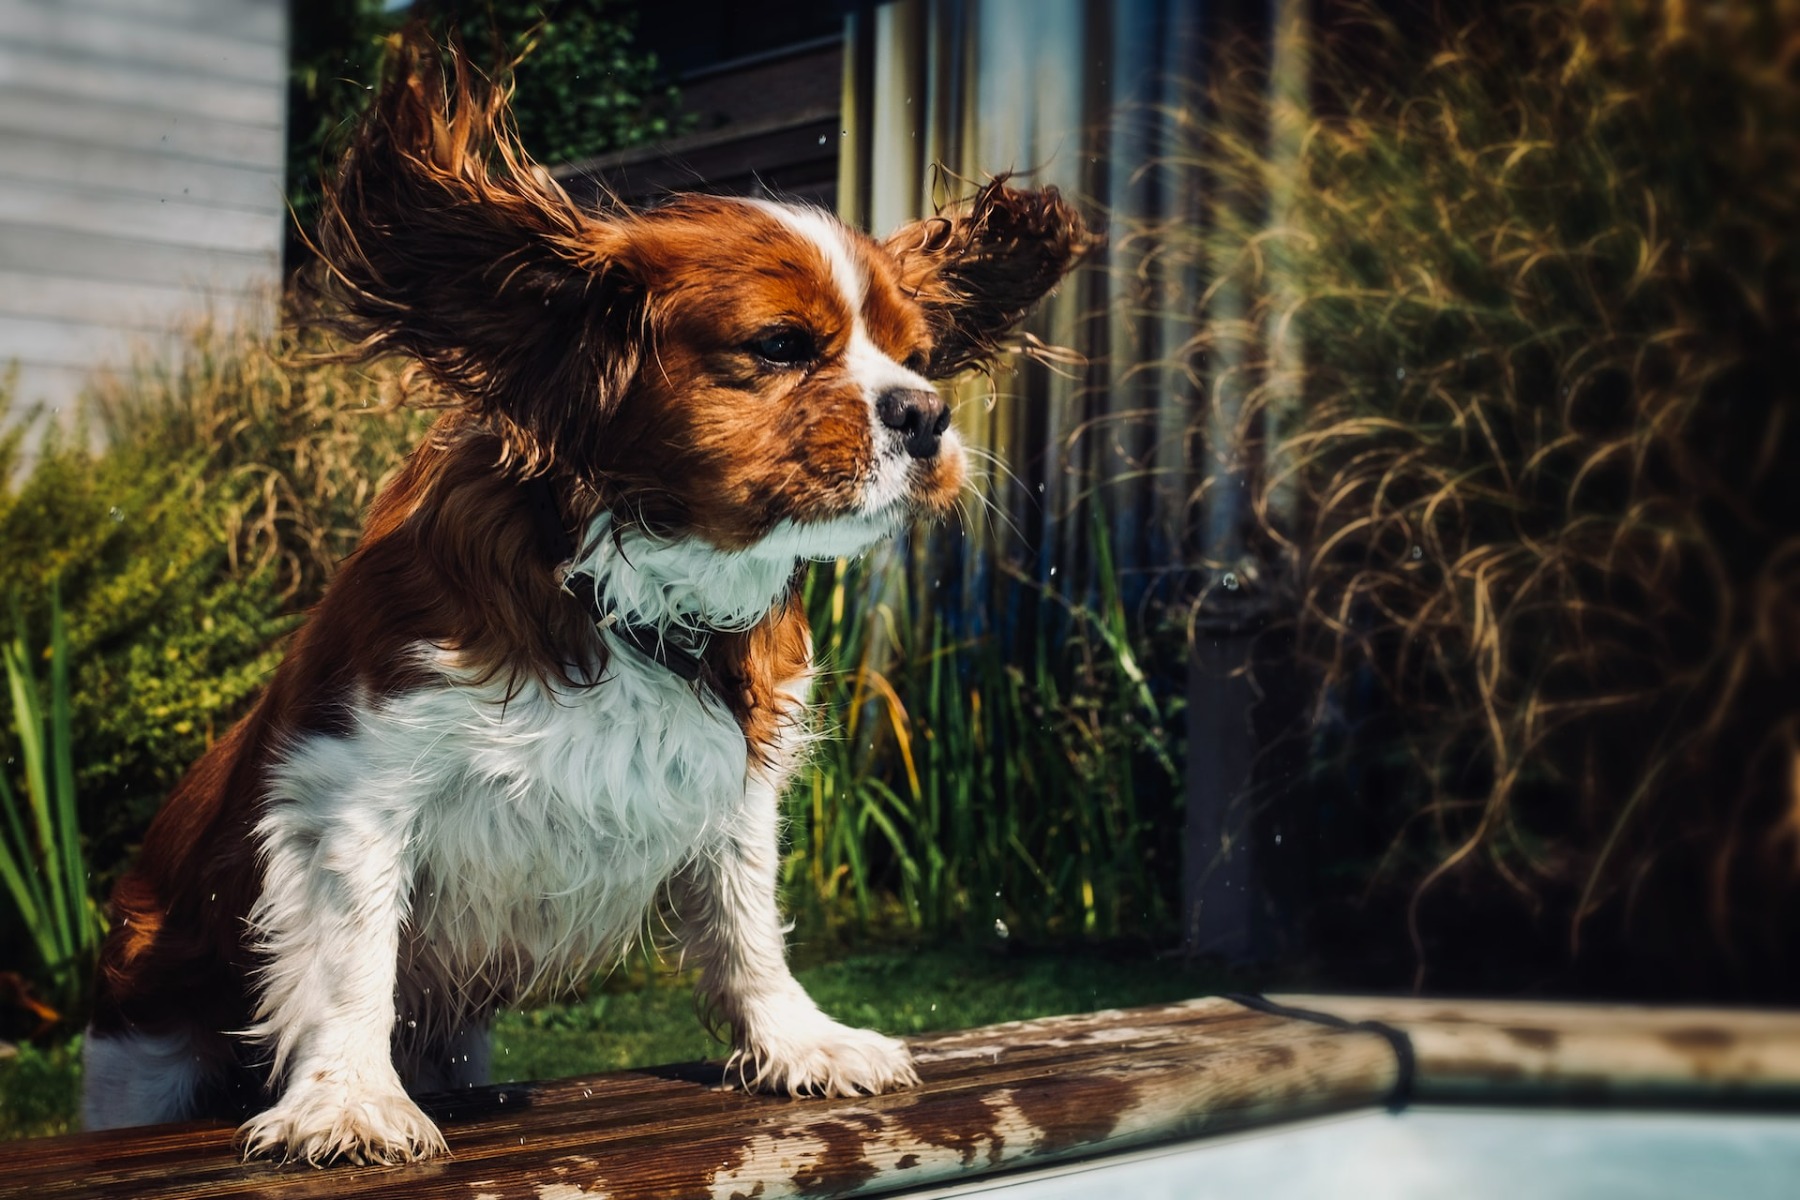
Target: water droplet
(116,514)
(1230,581)
(1418,552)
(1000,929)
(411,1024)
(1399,372)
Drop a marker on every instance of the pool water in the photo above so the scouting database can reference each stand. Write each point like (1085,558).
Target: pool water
(1448,1154)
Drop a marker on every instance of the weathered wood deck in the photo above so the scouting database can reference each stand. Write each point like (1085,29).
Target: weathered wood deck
(993,1099)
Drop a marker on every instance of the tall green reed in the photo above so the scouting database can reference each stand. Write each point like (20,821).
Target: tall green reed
(42,863)
(983,776)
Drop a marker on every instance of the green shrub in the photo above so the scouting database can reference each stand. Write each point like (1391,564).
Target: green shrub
(193,513)
(40,1090)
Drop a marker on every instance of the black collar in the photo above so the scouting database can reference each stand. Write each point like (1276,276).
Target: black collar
(671,648)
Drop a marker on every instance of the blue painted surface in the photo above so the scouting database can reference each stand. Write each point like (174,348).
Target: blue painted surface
(1450,1154)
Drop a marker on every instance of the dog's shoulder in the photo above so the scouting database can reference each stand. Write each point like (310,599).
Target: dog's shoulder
(451,558)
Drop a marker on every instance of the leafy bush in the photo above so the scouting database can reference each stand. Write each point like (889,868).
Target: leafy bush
(224,488)
(40,1090)
(1530,470)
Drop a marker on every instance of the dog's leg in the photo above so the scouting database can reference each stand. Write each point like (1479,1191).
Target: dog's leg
(337,879)
(450,1062)
(135,1078)
(732,927)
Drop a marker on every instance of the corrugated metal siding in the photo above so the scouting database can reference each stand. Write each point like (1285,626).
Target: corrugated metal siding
(141,152)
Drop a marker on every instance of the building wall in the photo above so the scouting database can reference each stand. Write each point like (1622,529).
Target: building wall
(141,152)
(765,124)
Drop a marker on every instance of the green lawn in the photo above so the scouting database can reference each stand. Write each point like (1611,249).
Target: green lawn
(640,1018)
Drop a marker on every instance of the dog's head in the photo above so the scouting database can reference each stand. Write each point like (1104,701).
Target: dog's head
(745,371)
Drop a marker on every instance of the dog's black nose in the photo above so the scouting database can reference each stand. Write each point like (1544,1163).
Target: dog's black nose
(920,416)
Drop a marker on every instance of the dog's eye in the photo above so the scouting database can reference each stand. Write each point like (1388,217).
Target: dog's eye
(916,362)
(784,347)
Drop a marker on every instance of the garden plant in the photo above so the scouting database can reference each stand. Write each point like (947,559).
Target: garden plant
(1508,298)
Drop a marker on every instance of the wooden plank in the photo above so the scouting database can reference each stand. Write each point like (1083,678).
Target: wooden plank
(1025,1093)
(620,1105)
(768,125)
(772,88)
(110,170)
(1501,1048)
(792,159)
(210,138)
(814,123)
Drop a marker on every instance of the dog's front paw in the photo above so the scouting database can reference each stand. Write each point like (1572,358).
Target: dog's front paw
(323,1120)
(820,1057)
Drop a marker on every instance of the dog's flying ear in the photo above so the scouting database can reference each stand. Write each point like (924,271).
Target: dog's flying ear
(443,241)
(979,267)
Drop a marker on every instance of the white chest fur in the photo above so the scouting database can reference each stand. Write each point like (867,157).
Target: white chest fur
(488,844)
(535,831)
(563,815)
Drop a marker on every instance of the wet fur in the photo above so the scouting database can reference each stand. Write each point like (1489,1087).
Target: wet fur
(455,789)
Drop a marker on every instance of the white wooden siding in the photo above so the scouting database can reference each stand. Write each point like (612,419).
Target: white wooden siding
(141,152)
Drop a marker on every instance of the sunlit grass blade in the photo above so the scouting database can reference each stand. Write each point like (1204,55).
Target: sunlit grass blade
(28,724)
(66,833)
(19,872)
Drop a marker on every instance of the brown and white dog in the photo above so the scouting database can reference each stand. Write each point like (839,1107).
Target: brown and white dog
(565,672)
